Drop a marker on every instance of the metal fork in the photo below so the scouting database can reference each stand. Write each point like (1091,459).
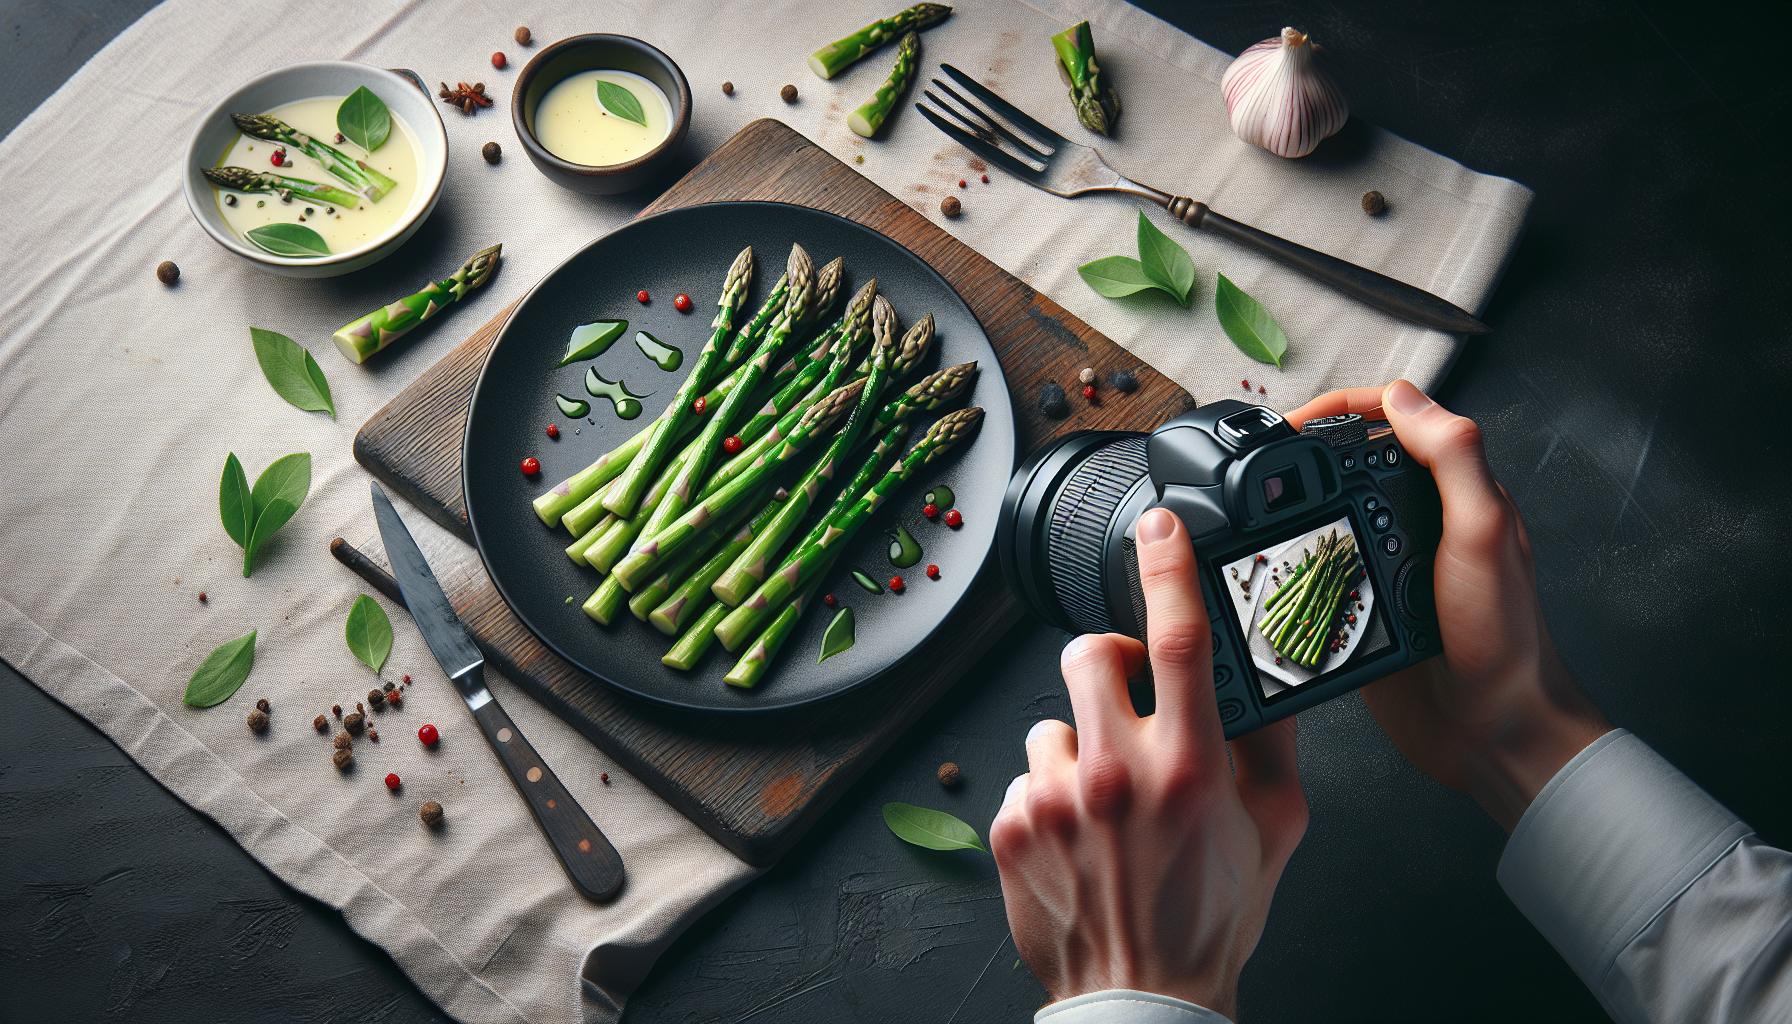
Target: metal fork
(1055,164)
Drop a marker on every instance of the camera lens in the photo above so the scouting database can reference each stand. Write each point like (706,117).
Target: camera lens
(1060,524)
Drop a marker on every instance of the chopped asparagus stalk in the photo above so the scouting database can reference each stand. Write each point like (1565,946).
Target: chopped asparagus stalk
(1095,99)
(831,59)
(866,120)
(387,324)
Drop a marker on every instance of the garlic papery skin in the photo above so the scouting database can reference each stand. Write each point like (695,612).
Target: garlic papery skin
(1280,98)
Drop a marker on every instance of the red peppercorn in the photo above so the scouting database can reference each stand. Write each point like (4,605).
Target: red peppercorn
(1245,384)
(896,584)
(428,735)
(961,183)
(202,597)
(641,297)
(1262,558)
(933,572)
(531,465)
(392,780)
(954,519)
(1260,390)
(395,698)
(986,179)
(603,777)
(732,445)
(1354,594)
(336,709)
(1089,392)
(553,430)
(700,406)
(499,60)
(682,303)
(930,511)
(407,679)
(830,600)
(278,159)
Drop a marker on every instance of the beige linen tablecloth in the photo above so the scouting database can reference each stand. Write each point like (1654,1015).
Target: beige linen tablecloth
(119,399)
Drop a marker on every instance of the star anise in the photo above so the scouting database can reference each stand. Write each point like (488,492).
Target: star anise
(468,97)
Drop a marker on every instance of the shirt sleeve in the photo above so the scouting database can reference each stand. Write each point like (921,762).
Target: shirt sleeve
(1661,900)
(1126,1006)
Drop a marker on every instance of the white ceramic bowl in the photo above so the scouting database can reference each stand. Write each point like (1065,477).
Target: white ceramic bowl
(402,93)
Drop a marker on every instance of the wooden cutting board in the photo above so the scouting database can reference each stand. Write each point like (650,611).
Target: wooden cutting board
(755,790)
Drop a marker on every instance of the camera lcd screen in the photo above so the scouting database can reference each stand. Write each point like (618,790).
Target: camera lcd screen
(1306,607)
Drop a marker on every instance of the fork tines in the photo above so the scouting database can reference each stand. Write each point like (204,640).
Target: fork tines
(986,135)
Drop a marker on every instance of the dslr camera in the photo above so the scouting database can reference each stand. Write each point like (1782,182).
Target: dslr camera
(1314,548)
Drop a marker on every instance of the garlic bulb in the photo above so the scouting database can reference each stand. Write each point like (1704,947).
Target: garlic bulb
(1280,98)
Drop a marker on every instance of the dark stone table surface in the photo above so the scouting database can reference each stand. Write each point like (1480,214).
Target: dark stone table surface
(1629,396)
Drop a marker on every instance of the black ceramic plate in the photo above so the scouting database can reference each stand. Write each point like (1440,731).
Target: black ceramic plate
(689,251)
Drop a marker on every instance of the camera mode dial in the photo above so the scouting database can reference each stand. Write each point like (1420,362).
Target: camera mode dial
(1346,431)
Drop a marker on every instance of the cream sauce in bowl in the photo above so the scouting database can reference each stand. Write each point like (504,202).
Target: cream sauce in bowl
(573,125)
(344,230)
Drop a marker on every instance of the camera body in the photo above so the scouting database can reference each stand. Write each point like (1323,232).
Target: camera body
(1314,548)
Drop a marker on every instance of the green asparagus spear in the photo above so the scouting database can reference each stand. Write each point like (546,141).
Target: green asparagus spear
(242,179)
(753,665)
(387,324)
(1097,103)
(803,564)
(832,58)
(890,360)
(640,563)
(360,177)
(647,598)
(692,595)
(696,640)
(606,602)
(702,452)
(866,120)
(625,495)
(576,550)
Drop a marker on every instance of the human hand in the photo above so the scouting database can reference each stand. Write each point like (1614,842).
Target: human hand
(1497,715)
(1130,855)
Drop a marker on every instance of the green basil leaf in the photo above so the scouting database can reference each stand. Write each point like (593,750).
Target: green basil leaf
(222,671)
(839,636)
(291,371)
(283,239)
(369,632)
(1165,262)
(621,102)
(236,505)
(363,119)
(267,524)
(933,829)
(1116,276)
(289,477)
(1248,324)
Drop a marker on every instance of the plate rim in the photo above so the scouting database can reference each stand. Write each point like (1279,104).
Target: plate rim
(1007,423)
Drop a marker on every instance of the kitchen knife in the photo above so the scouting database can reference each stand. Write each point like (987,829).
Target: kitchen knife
(590,861)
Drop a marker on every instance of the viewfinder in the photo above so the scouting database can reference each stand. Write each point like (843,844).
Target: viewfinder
(1282,489)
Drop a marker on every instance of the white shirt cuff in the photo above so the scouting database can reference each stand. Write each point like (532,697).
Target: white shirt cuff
(1613,839)
(1126,1006)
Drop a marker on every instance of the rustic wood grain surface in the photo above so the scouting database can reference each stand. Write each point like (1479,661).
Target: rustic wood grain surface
(755,793)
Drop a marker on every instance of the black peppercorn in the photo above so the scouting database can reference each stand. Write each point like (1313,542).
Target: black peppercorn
(355,722)
(376,698)
(727,88)
(1123,381)
(948,774)
(263,706)
(388,687)
(1052,401)
(343,758)
(258,721)
(431,813)
(321,724)
(342,741)
(492,153)
(788,93)
(1374,202)
(950,206)
(522,35)
(167,272)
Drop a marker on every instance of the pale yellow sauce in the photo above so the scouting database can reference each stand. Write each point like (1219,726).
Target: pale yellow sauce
(343,230)
(575,127)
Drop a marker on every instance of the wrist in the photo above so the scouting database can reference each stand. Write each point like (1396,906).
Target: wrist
(1527,747)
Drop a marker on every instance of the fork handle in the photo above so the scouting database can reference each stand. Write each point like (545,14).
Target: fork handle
(1397,298)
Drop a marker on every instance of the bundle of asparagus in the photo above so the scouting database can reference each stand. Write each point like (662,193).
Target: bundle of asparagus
(683,535)
(1300,618)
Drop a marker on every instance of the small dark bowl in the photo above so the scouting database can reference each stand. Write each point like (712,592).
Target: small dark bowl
(599,52)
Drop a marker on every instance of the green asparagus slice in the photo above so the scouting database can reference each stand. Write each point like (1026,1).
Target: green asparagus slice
(701,453)
(887,447)
(753,665)
(890,361)
(1097,104)
(360,177)
(866,120)
(576,550)
(242,179)
(803,565)
(696,640)
(606,602)
(832,58)
(625,495)
(640,563)
(692,595)
(387,324)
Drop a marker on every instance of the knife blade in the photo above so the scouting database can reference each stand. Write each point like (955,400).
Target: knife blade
(592,864)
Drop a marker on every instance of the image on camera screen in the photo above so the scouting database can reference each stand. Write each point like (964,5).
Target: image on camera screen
(1306,606)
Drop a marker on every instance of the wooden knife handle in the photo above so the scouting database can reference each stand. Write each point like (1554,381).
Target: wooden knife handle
(590,861)
(1396,298)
